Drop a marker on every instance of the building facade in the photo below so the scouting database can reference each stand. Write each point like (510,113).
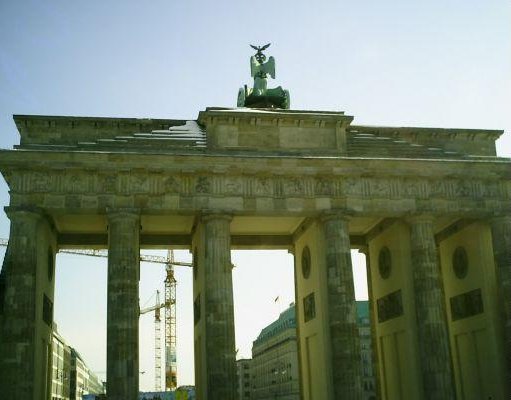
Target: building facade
(82,379)
(366,350)
(275,372)
(243,372)
(61,368)
(275,358)
(71,377)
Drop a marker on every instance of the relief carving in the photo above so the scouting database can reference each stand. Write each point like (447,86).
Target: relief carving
(263,187)
(76,183)
(437,189)
(352,186)
(411,188)
(324,187)
(203,185)
(380,187)
(293,186)
(107,183)
(40,182)
(171,185)
(233,186)
(462,189)
(139,184)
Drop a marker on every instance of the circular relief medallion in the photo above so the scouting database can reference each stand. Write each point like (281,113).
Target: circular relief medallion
(460,262)
(384,263)
(306,262)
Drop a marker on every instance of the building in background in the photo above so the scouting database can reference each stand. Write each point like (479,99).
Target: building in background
(274,365)
(275,360)
(243,367)
(71,378)
(83,380)
(61,367)
(364,329)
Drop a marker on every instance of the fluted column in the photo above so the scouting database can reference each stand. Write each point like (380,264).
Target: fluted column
(123,304)
(501,239)
(20,376)
(433,335)
(342,311)
(219,309)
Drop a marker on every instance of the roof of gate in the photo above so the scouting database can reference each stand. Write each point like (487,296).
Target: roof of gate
(189,136)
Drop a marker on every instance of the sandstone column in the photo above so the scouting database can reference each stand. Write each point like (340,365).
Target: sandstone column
(501,239)
(28,311)
(219,309)
(123,304)
(433,335)
(342,311)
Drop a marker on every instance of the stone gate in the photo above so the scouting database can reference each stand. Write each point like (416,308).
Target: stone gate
(429,207)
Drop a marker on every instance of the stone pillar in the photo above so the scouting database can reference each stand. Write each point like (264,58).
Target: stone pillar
(372,318)
(342,310)
(123,304)
(501,240)
(219,309)
(28,310)
(433,335)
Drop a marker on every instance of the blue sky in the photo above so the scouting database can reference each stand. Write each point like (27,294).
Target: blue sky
(400,63)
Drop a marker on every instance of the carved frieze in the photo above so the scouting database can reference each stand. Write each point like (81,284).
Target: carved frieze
(263,187)
(293,187)
(128,183)
(203,185)
(106,183)
(324,187)
(171,184)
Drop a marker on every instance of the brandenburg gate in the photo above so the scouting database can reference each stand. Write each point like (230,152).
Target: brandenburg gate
(430,208)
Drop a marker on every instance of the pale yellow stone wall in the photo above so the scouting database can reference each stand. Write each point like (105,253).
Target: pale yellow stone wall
(476,341)
(314,341)
(396,338)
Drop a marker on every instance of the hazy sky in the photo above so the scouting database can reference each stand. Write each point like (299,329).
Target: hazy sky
(439,63)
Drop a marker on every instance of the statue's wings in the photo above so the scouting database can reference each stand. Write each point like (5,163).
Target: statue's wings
(255,47)
(265,46)
(269,67)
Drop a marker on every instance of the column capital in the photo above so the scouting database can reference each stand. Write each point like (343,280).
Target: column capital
(344,215)
(122,213)
(209,215)
(27,211)
(413,219)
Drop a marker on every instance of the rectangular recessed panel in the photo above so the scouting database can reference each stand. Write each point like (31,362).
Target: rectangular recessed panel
(390,306)
(467,304)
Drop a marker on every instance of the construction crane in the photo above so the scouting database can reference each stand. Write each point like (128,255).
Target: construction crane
(169,304)
(157,339)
